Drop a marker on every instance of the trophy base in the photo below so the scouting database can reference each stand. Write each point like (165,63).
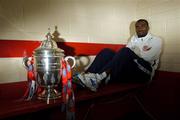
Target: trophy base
(49,93)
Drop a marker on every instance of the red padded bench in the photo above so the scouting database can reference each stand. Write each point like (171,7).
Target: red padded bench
(11,104)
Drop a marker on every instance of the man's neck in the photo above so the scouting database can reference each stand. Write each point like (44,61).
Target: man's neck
(143,36)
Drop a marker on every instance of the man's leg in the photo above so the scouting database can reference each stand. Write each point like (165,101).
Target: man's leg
(126,68)
(123,67)
(101,60)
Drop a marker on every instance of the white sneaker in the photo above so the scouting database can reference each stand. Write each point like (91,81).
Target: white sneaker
(91,80)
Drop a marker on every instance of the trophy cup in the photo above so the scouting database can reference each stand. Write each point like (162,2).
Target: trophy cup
(47,66)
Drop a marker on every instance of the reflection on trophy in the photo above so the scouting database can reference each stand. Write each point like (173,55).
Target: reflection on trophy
(47,66)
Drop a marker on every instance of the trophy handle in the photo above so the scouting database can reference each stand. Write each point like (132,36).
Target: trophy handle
(24,62)
(72,58)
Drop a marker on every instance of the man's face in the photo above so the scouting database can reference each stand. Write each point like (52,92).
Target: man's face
(141,28)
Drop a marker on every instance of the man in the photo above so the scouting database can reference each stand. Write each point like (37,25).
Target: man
(134,63)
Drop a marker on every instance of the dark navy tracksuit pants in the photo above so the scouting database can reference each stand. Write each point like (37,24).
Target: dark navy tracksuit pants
(122,66)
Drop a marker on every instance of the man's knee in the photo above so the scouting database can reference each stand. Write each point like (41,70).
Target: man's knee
(107,51)
(125,50)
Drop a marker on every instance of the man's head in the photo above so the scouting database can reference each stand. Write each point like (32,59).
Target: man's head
(142,27)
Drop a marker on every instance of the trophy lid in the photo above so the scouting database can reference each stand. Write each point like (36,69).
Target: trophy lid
(48,48)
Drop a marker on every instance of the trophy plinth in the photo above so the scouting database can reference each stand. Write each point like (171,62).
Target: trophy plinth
(49,93)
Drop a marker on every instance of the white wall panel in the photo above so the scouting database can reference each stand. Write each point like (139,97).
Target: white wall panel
(102,21)
(12,70)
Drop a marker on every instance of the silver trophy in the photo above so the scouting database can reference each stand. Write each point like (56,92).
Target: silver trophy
(47,65)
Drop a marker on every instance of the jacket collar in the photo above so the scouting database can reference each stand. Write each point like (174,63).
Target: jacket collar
(145,37)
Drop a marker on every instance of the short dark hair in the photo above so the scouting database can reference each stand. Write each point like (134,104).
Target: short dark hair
(143,20)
